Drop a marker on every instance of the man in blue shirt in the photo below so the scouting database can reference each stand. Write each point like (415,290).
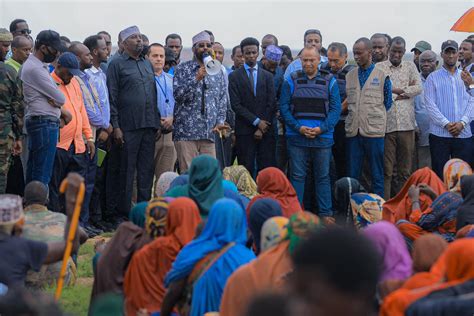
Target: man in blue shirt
(165,153)
(312,38)
(310,105)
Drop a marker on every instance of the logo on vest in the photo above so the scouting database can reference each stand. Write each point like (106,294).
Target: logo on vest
(375,82)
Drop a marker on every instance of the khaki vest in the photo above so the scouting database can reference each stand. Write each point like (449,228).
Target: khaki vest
(367,114)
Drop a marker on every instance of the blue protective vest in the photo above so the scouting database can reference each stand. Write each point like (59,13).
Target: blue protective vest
(310,99)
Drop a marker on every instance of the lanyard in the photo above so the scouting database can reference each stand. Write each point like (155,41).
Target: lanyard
(165,90)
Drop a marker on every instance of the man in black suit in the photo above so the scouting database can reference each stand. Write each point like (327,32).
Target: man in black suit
(252,96)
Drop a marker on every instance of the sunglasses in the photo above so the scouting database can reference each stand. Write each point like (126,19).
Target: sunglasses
(25,31)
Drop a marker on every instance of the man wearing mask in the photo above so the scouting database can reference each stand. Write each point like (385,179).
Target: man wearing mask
(43,100)
(134,116)
(201,105)
(338,66)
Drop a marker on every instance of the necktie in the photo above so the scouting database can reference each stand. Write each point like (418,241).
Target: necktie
(252,82)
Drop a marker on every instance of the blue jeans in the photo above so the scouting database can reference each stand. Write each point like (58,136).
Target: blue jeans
(43,132)
(321,158)
(360,147)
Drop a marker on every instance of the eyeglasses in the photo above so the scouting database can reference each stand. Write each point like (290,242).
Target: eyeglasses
(24,31)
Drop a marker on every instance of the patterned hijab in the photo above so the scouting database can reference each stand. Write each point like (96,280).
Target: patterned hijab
(366,209)
(274,230)
(164,182)
(453,170)
(300,226)
(155,217)
(242,179)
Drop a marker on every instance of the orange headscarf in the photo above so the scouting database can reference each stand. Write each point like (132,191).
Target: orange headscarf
(144,281)
(267,272)
(274,184)
(399,207)
(457,264)
(453,170)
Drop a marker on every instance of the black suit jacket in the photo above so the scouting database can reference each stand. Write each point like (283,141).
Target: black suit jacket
(246,105)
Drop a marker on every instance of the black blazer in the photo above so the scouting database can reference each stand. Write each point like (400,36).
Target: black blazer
(248,107)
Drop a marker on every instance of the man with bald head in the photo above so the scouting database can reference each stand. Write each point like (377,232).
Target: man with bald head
(310,104)
(369,97)
(428,61)
(21,49)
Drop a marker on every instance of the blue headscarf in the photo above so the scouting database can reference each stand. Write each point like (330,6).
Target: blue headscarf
(243,201)
(181,180)
(137,214)
(229,185)
(260,211)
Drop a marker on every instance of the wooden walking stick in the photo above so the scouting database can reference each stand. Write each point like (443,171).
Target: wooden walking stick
(71,233)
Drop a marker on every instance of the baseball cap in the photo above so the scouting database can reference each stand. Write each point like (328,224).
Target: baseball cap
(169,55)
(422,46)
(69,60)
(51,38)
(449,44)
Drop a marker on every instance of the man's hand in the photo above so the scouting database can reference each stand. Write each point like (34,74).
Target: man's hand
(118,136)
(401,97)
(344,106)
(201,73)
(90,149)
(66,116)
(397,91)
(307,132)
(220,128)
(467,78)
(263,126)
(103,136)
(17,148)
(167,123)
(426,189)
(455,129)
(258,135)
(316,131)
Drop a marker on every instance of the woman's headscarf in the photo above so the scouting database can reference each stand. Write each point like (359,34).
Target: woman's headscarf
(242,178)
(260,211)
(465,215)
(457,264)
(181,180)
(156,212)
(274,230)
(137,214)
(205,182)
(273,183)
(229,185)
(143,284)
(453,170)
(397,263)
(343,190)
(366,209)
(399,207)
(426,251)
(466,231)
(164,182)
(300,226)
(226,223)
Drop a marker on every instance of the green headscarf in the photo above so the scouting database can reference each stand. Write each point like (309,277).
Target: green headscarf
(137,214)
(205,182)
(109,304)
(300,226)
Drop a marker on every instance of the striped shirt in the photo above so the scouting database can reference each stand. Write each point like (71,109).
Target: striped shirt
(447,101)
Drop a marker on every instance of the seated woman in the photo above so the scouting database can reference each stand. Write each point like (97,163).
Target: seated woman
(426,251)
(453,171)
(465,215)
(204,186)
(399,207)
(147,220)
(274,231)
(439,218)
(201,270)
(270,270)
(272,183)
(366,209)
(144,280)
(242,179)
(343,190)
(163,183)
(260,211)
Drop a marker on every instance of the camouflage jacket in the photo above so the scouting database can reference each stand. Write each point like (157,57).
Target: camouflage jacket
(11,103)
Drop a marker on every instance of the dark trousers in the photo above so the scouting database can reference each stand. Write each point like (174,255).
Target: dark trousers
(223,151)
(339,149)
(137,156)
(65,161)
(250,151)
(113,188)
(444,148)
(91,168)
(282,153)
(15,178)
(97,205)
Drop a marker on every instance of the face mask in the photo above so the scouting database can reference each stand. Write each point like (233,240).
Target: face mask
(49,58)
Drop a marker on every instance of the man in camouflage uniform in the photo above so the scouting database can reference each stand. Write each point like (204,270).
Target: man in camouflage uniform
(11,110)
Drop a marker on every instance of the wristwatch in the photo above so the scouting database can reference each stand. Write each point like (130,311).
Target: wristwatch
(463,124)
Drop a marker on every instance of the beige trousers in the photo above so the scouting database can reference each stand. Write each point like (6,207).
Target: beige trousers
(165,155)
(188,150)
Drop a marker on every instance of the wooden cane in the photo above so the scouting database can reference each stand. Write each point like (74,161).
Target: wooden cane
(71,234)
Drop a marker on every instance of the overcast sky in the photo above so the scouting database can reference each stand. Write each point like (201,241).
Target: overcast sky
(231,21)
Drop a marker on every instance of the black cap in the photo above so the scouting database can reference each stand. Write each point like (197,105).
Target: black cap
(449,44)
(169,55)
(52,39)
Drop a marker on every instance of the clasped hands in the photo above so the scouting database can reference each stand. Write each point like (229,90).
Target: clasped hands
(309,132)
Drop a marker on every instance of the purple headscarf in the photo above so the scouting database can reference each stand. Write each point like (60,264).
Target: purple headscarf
(397,263)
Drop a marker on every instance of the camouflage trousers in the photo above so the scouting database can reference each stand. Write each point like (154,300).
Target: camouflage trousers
(6,145)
